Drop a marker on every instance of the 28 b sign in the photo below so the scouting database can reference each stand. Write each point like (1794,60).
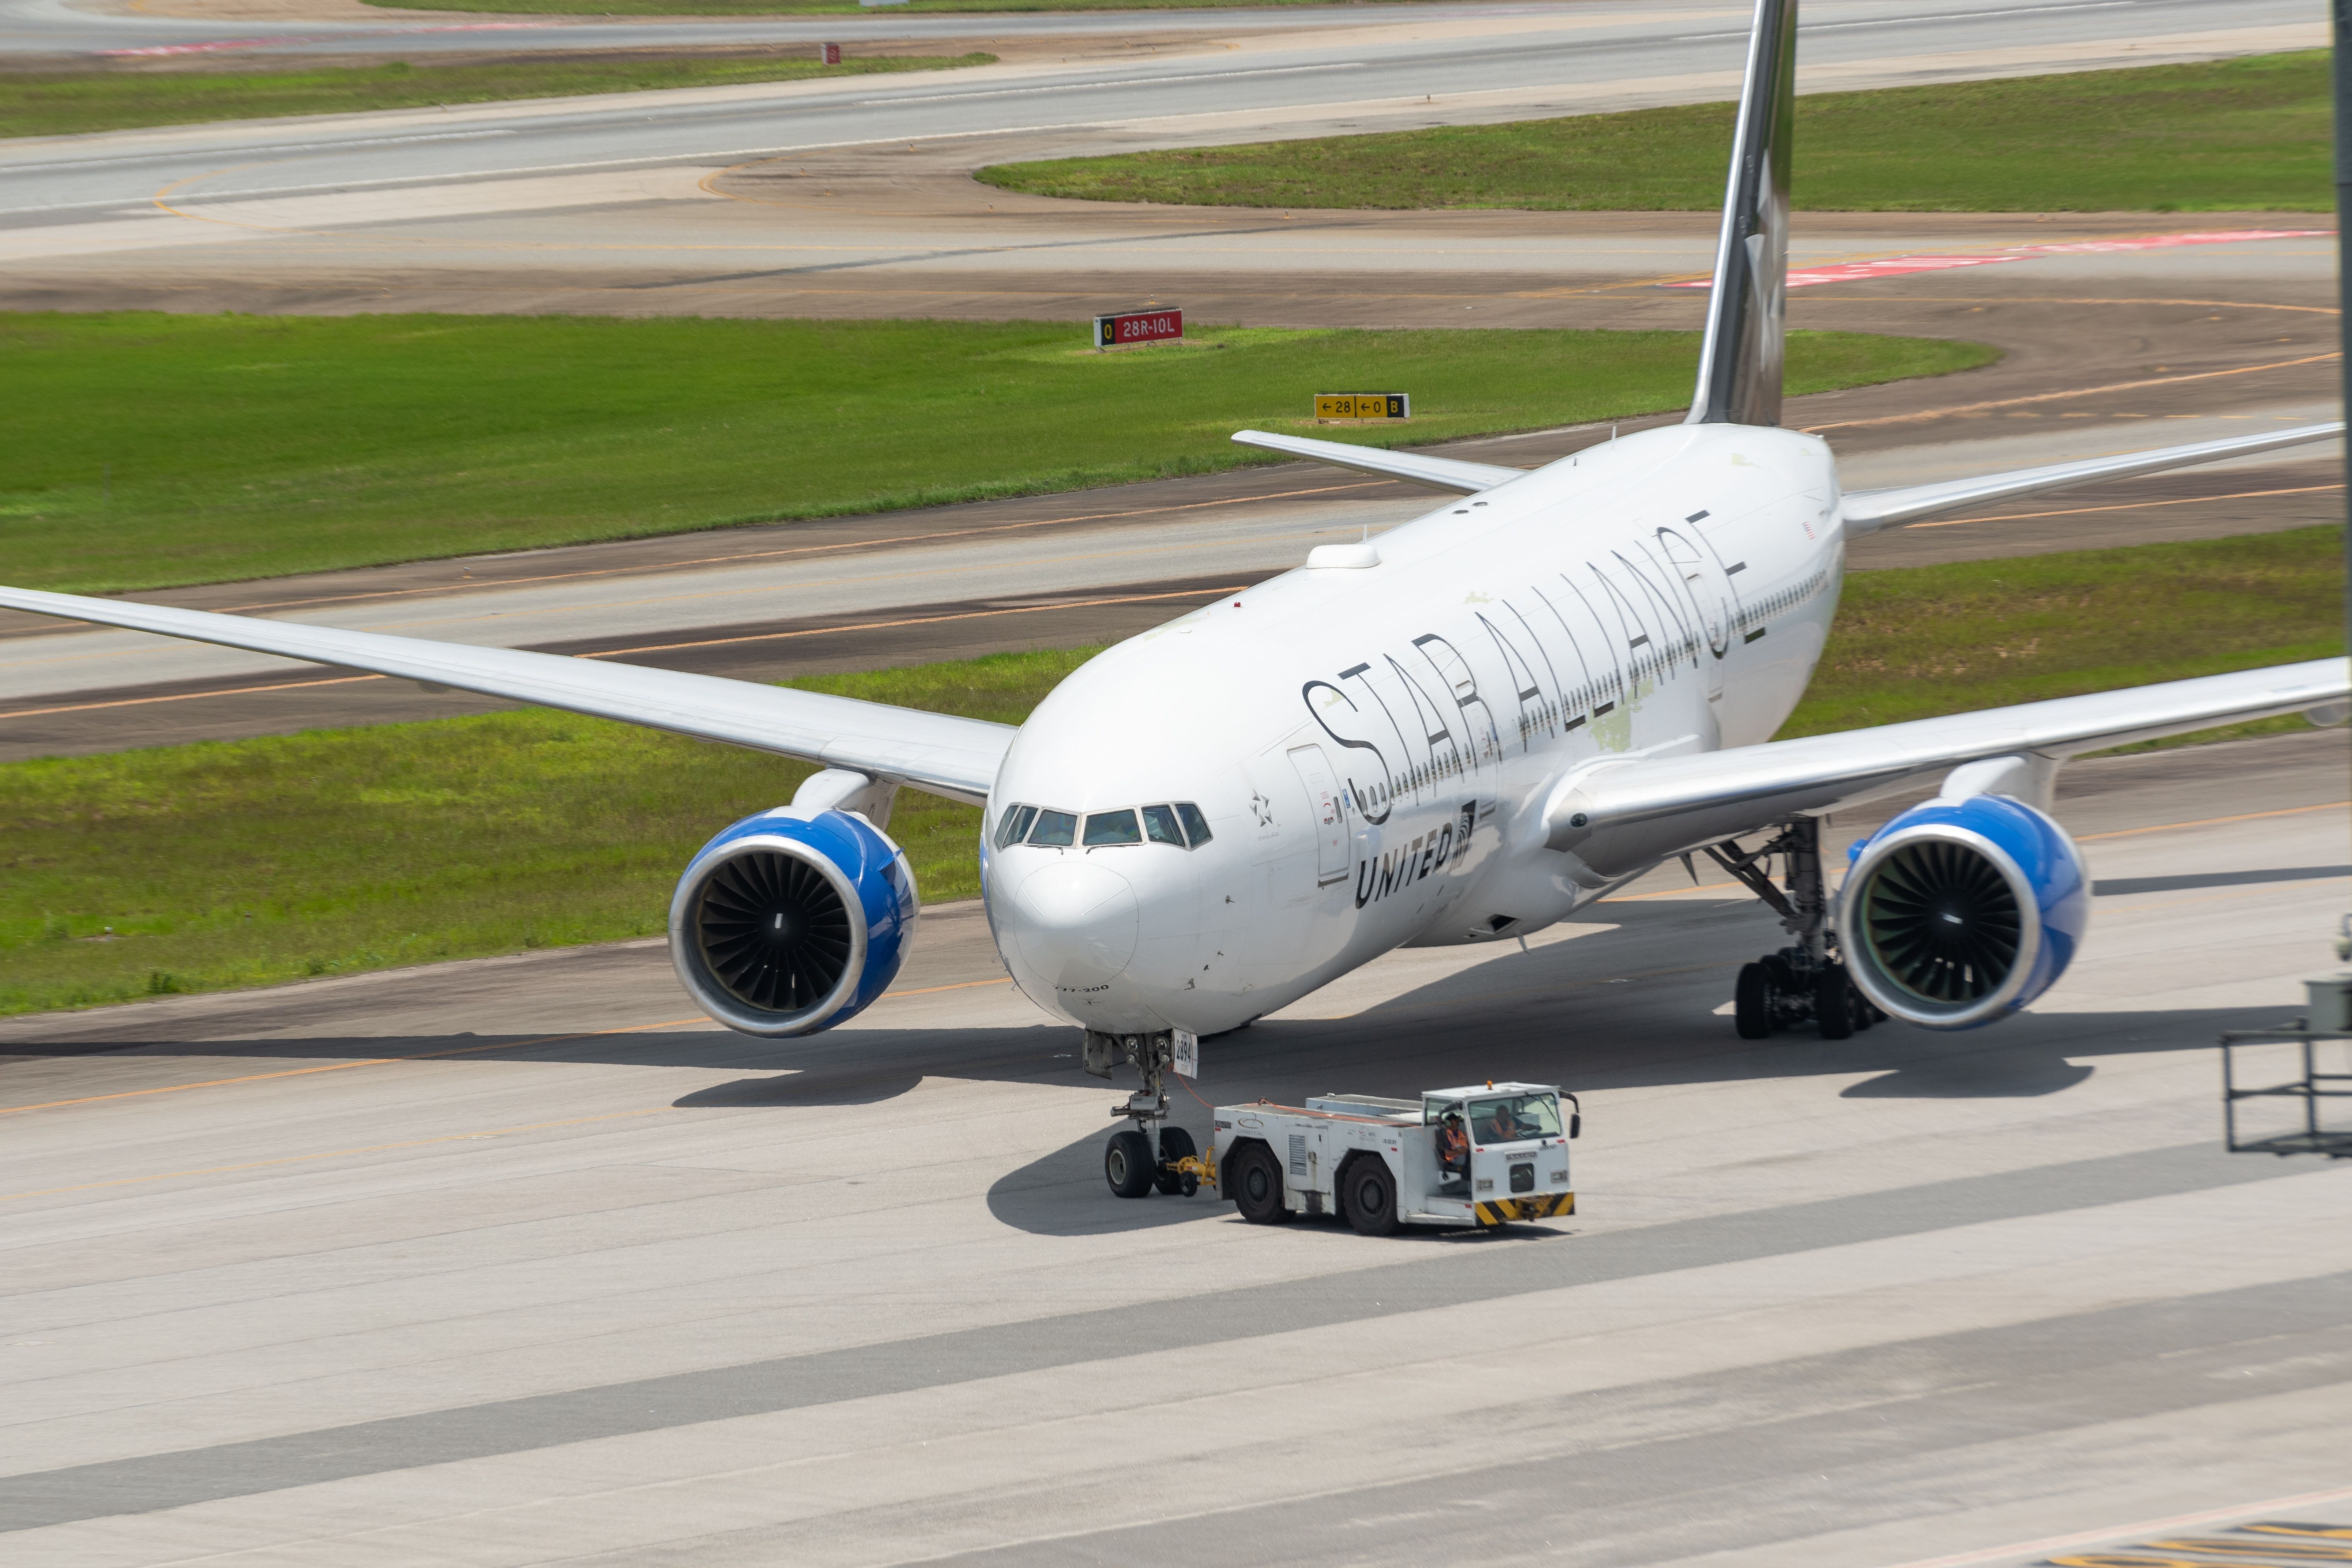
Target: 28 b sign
(1363,406)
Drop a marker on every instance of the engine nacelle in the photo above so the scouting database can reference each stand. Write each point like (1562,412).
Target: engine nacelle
(792,921)
(1962,912)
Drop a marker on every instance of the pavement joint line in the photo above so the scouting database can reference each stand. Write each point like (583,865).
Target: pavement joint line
(913,621)
(959,986)
(2154,1527)
(1924,415)
(701,1396)
(2215,821)
(2040,300)
(461,586)
(335,1154)
(188,696)
(363,1062)
(2126,506)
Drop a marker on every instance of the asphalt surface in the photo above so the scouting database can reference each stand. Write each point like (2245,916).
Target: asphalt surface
(519,1261)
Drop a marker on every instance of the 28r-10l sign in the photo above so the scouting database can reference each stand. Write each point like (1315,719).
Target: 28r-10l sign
(1138,327)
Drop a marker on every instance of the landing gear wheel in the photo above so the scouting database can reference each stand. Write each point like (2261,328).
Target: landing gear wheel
(1864,1014)
(1833,1002)
(1751,1002)
(1258,1186)
(1128,1165)
(1175,1144)
(1367,1196)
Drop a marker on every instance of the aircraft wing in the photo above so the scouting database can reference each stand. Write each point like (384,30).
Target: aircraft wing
(1867,511)
(1432,473)
(954,757)
(1619,816)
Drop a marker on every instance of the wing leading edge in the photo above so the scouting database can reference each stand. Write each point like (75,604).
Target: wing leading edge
(1619,816)
(1413,467)
(948,757)
(1867,511)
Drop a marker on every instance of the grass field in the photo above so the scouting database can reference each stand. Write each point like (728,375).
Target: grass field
(59,103)
(2243,135)
(147,450)
(197,867)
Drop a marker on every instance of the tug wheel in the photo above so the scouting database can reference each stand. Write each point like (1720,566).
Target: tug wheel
(1128,1165)
(1258,1186)
(1367,1196)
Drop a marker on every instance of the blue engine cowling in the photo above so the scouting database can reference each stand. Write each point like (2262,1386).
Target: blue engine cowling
(792,921)
(1962,912)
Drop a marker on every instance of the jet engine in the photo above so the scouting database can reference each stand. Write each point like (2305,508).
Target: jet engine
(792,921)
(1962,912)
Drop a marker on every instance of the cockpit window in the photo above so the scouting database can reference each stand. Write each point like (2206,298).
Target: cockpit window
(1181,825)
(1112,827)
(1015,825)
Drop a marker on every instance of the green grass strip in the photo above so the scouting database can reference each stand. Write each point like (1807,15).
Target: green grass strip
(147,450)
(1920,642)
(240,863)
(58,103)
(2235,135)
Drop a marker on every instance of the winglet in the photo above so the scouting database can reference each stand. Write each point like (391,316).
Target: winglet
(1739,367)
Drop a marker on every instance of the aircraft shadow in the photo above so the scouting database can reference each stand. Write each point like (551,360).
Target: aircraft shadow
(1631,1003)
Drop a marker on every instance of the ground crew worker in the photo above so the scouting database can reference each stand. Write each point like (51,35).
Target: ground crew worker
(1503,1125)
(1453,1144)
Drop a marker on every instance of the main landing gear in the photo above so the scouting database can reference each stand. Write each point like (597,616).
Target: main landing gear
(1131,1163)
(1803,983)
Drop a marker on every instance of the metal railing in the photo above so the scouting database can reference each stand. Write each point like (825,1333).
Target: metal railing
(2312,1088)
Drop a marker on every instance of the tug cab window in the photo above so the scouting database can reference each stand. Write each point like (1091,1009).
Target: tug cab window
(1014,824)
(1514,1119)
(1112,827)
(1055,829)
(1159,825)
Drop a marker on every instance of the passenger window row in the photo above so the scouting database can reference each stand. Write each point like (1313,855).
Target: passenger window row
(1181,825)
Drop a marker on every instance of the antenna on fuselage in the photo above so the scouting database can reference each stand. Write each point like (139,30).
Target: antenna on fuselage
(1739,365)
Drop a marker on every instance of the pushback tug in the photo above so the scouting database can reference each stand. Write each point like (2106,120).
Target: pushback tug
(1482,1155)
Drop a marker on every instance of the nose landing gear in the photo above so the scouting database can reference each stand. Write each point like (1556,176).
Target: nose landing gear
(1131,1163)
(1803,983)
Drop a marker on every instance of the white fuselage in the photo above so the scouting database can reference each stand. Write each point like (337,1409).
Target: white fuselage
(1374,747)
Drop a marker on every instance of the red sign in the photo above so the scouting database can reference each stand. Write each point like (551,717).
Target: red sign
(829,54)
(1138,327)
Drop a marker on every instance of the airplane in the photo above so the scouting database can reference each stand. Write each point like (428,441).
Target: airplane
(1458,733)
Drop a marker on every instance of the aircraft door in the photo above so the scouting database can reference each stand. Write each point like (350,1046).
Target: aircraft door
(1327,811)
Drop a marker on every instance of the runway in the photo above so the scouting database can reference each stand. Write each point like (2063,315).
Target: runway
(309,1274)
(314,195)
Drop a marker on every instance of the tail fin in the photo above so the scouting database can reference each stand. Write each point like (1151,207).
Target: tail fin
(1739,367)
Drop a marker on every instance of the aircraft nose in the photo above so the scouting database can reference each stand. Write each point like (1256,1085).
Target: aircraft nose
(1076,923)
